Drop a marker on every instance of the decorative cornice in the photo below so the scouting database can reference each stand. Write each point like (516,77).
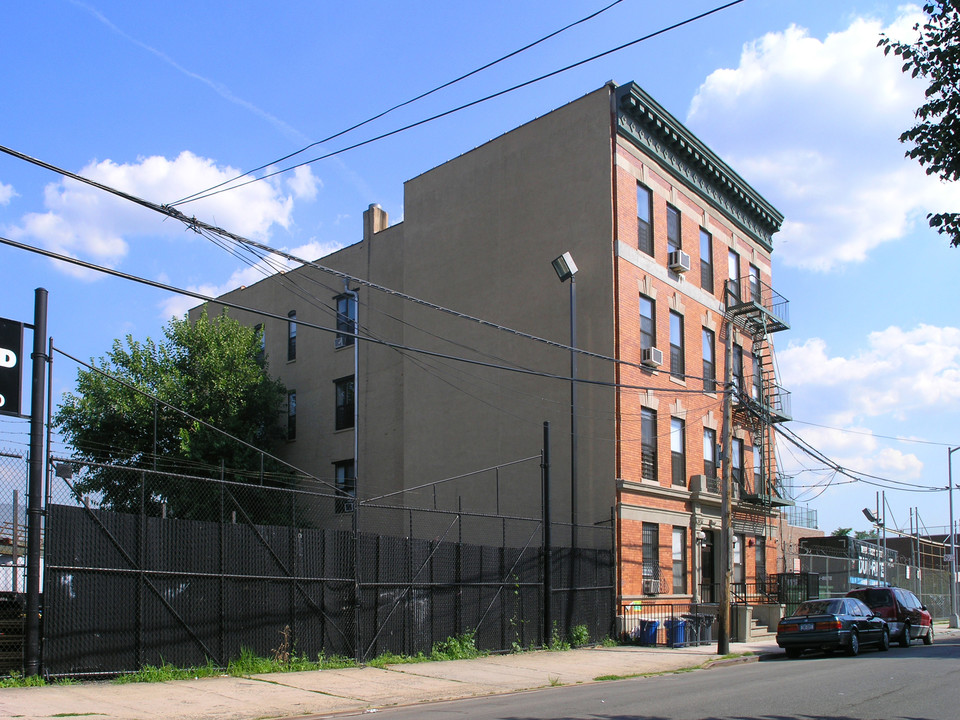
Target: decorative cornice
(644,122)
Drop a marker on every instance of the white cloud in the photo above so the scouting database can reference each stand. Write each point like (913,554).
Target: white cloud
(813,125)
(900,371)
(83,221)
(6,194)
(303,183)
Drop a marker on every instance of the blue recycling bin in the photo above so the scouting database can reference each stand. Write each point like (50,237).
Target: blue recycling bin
(676,632)
(646,632)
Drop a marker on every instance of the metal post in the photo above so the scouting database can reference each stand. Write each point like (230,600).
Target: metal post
(31,650)
(573,409)
(953,544)
(726,554)
(547,537)
(883,558)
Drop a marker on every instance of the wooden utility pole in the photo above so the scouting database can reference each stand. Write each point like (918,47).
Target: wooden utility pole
(726,554)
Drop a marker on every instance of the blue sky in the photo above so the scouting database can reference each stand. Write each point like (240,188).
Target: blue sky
(164,100)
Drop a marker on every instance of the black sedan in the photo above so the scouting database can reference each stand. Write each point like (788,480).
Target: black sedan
(832,624)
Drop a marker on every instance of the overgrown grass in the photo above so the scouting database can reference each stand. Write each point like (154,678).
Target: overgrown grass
(18,680)
(248,663)
(285,659)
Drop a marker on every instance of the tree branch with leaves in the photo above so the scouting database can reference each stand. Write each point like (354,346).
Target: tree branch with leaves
(935,138)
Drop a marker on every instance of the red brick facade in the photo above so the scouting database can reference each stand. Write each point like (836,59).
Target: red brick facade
(662,502)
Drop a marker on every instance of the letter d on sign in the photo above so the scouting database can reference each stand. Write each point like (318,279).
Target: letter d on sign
(11,367)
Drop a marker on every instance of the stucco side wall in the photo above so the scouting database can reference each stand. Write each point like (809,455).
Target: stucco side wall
(481,232)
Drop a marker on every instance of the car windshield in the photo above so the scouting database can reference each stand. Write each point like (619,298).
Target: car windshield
(819,607)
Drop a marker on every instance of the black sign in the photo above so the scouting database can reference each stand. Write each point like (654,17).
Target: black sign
(11,366)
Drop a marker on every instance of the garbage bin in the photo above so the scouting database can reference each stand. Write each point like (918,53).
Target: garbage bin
(646,632)
(676,632)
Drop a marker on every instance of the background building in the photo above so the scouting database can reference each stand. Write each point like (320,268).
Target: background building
(672,251)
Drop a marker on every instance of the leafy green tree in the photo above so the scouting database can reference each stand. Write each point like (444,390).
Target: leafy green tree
(865,534)
(935,138)
(841,532)
(213,371)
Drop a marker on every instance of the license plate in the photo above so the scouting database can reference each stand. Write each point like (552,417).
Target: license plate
(806,627)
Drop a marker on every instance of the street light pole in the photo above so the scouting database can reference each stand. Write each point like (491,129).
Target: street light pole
(953,544)
(566,269)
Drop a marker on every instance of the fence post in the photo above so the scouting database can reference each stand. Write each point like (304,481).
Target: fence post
(547,536)
(31,650)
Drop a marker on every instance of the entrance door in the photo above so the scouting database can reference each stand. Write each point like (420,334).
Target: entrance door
(708,582)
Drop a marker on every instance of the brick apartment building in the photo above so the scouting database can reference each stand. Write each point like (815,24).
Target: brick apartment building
(673,252)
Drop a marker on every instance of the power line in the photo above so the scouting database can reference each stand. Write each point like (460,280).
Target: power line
(203,193)
(850,473)
(872,434)
(314,326)
(469,104)
(203,228)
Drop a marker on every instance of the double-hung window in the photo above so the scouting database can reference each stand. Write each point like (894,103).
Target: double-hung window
(345,400)
(676,345)
(648,444)
(754,282)
(738,380)
(644,220)
(706,261)
(709,361)
(292,335)
(673,229)
(736,462)
(710,452)
(346,484)
(756,387)
(678,457)
(648,327)
(650,537)
(733,279)
(679,560)
(346,320)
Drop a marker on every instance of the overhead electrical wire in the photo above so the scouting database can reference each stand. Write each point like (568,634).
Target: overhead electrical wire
(470,104)
(412,100)
(334,330)
(850,473)
(872,434)
(201,228)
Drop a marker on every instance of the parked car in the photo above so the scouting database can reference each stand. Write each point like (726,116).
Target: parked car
(832,624)
(906,616)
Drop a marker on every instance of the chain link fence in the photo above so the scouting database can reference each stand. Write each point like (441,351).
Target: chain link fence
(13,565)
(186,569)
(840,573)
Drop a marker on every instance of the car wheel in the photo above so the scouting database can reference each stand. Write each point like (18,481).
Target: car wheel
(928,638)
(905,638)
(885,640)
(853,647)
(793,653)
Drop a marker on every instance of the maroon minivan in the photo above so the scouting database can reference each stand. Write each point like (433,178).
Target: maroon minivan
(906,616)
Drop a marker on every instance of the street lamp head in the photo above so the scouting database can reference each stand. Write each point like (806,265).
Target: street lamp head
(565,267)
(871,517)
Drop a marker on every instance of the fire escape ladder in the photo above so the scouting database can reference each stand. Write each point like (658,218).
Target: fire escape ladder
(761,402)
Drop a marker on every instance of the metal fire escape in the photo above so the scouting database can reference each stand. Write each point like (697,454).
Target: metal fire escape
(759,402)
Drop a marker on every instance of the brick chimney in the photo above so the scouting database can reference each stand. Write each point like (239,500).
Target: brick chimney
(374,220)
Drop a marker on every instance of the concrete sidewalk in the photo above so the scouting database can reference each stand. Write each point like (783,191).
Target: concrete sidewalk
(351,690)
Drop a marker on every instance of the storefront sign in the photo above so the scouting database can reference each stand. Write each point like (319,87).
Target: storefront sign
(11,366)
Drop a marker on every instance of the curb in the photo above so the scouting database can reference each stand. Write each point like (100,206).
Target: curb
(723,662)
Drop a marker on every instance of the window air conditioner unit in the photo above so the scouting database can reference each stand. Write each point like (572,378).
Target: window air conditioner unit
(340,341)
(651,587)
(651,357)
(678,261)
